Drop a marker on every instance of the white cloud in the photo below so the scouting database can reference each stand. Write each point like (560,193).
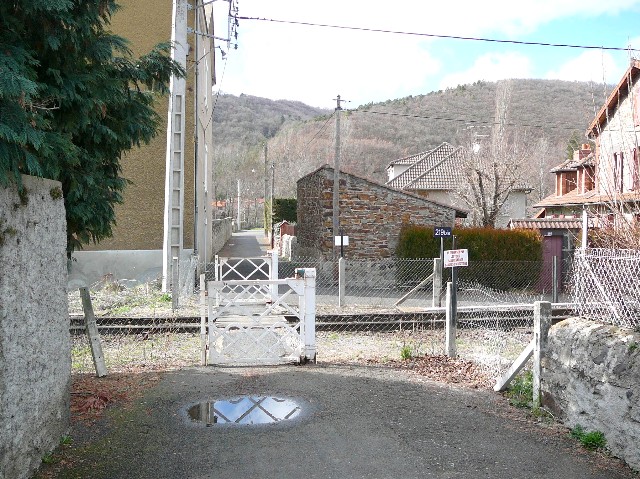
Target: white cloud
(591,65)
(491,67)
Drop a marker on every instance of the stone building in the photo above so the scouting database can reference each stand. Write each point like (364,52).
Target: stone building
(371,215)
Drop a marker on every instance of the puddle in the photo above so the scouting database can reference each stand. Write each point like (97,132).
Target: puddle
(245,411)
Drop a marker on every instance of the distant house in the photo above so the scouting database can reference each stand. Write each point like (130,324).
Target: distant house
(371,214)
(437,174)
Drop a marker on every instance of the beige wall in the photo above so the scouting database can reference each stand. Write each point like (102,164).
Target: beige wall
(146,23)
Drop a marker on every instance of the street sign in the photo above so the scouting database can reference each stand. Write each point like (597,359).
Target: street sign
(456,257)
(441,232)
(341,240)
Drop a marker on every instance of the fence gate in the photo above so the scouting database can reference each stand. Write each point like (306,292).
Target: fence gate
(262,321)
(265,267)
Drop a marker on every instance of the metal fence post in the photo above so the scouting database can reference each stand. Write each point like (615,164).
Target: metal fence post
(437,283)
(175,286)
(273,274)
(554,279)
(450,322)
(203,321)
(310,314)
(341,281)
(541,325)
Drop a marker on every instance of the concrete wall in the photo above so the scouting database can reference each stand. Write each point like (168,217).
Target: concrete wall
(130,267)
(591,377)
(35,358)
(371,214)
(221,230)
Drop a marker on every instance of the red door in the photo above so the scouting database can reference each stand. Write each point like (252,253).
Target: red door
(551,246)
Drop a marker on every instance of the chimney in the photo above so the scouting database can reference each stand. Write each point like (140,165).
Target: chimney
(585,150)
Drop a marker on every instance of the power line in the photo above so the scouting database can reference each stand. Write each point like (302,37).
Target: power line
(322,128)
(434,35)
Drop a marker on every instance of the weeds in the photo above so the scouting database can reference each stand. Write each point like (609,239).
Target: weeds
(592,440)
(406,352)
(632,346)
(520,393)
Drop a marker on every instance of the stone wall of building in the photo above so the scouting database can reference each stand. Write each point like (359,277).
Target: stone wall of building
(591,377)
(35,351)
(371,214)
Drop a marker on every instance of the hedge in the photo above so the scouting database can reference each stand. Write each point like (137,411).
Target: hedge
(519,253)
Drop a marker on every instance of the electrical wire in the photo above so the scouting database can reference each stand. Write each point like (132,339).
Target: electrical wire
(434,35)
(322,128)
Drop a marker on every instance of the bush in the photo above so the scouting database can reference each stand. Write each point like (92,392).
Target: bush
(498,259)
(484,244)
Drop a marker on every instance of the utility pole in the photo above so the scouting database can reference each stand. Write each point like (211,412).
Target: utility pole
(266,188)
(336,175)
(239,209)
(273,180)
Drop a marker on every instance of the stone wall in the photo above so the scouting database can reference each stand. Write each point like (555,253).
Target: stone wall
(371,214)
(35,358)
(591,377)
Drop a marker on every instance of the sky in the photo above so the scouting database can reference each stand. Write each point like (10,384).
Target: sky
(314,64)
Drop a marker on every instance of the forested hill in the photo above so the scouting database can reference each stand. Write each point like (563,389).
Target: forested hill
(547,113)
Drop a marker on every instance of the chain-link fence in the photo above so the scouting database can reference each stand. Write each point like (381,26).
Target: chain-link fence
(388,308)
(606,286)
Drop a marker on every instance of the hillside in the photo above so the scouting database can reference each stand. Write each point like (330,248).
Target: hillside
(300,138)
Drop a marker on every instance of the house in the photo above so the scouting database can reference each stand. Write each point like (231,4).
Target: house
(437,174)
(604,182)
(135,250)
(371,214)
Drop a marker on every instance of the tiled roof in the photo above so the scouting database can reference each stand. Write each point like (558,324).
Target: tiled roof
(546,223)
(410,160)
(572,165)
(423,169)
(590,197)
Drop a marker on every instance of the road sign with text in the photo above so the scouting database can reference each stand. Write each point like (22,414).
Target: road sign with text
(456,257)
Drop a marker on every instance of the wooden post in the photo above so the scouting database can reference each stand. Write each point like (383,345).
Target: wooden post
(91,329)
(341,281)
(436,300)
(541,325)
(450,322)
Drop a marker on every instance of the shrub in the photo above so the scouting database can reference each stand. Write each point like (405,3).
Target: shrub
(285,209)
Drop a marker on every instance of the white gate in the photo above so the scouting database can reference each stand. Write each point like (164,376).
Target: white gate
(262,321)
(265,267)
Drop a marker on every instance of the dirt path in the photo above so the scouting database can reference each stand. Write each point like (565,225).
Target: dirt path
(356,422)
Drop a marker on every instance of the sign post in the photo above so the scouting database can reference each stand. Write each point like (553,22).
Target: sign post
(342,241)
(453,259)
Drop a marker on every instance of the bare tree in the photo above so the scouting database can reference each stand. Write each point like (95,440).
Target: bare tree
(494,167)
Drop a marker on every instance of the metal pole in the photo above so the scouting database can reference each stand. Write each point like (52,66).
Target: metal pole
(266,188)
(554,279)
(454,283)
(239,226)
(336,174)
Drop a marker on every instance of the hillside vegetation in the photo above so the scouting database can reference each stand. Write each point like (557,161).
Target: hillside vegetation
(301,138)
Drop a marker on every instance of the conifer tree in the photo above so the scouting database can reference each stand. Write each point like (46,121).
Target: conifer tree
(73,101)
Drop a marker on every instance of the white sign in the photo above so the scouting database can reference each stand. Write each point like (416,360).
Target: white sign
(345,240)
(456,257)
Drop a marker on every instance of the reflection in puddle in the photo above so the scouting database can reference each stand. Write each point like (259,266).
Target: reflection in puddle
(246,410)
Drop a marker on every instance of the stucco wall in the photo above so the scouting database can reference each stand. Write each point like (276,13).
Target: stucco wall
(591,377)
(371,215)
(35,358)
